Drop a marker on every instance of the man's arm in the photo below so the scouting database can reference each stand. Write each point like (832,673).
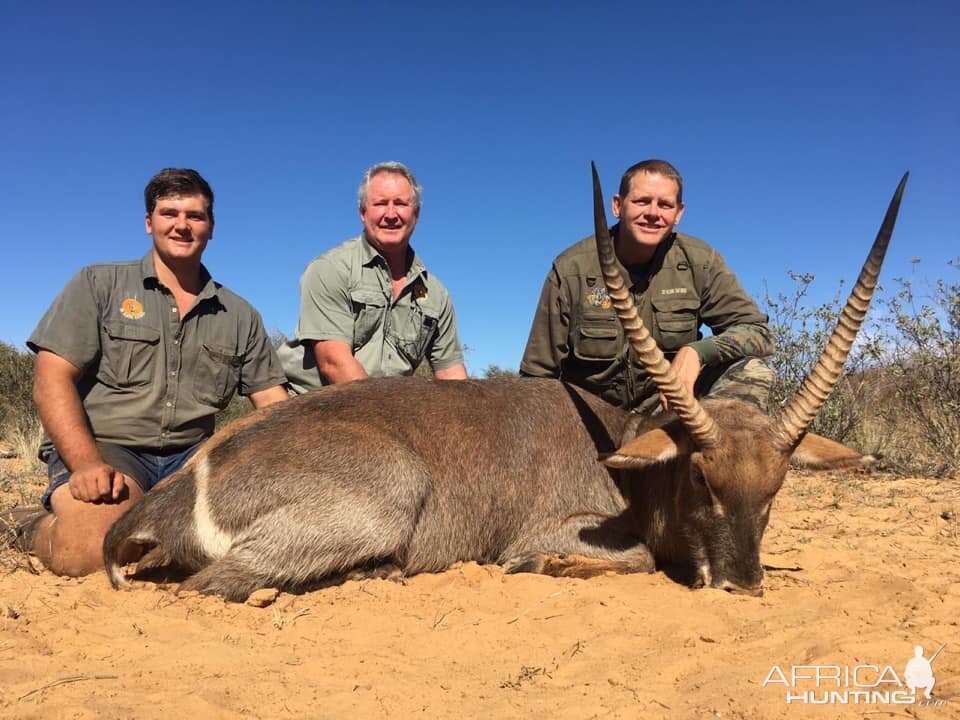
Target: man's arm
(444,352)
(61,412)
(739,328)
(327,318)
(457,372)
(336,363)
(548,343)
(260,399)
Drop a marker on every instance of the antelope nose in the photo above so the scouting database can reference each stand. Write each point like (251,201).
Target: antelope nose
(753,591)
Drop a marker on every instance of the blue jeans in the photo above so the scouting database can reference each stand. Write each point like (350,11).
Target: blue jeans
(146,469)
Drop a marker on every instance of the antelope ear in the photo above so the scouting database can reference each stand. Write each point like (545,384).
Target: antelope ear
(818,453)
(655,446)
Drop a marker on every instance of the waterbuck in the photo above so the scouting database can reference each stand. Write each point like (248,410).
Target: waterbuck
(405,476)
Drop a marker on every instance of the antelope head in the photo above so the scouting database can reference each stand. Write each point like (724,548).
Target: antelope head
(731,458)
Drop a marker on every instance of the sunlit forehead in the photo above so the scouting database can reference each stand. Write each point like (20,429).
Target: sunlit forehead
(194,206)
(390,187)
(653,187)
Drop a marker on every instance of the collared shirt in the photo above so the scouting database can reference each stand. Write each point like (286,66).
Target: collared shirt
(152,379)
(346,294)
(576,335)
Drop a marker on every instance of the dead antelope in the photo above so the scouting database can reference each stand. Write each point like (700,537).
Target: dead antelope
(407,476)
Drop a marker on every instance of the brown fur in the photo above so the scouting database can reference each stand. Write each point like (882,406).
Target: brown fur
(416,474)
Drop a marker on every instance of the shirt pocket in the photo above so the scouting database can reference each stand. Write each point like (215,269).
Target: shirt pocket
(677,321)
(217,375)
(369,307)
(414,335)
(597,337)
(129,354)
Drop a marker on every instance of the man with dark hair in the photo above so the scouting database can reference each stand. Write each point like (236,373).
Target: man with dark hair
(679,284)
(133,361)
(369,307)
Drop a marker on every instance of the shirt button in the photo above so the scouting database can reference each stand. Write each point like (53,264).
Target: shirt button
(173,373)
(168,405)
(176,342)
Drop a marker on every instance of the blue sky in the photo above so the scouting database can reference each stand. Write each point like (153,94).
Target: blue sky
(791,124)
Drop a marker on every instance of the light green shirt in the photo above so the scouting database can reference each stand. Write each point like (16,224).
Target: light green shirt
(346,294)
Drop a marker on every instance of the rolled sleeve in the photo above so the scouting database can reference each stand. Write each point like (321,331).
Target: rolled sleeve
(71,326)
(326,309)
(261,367)
(445,350)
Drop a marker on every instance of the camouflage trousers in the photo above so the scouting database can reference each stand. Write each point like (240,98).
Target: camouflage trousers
(747,379)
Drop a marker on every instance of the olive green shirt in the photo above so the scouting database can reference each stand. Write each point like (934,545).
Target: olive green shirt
(577,337)
(346,294)
(151,379)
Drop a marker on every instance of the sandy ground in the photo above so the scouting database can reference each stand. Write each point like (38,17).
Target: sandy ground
(861,568)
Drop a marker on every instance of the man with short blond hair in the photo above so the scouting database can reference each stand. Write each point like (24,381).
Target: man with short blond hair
(679,284)
(369,307)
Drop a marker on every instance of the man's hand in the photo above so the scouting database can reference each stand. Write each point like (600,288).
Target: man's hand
(98,483)
(686,366)
(58,402)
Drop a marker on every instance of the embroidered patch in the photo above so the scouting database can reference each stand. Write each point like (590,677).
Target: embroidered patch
(131,308)
(674,291)
(598,297)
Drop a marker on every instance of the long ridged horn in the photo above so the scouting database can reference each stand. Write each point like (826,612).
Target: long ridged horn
(701,427)
(788,428)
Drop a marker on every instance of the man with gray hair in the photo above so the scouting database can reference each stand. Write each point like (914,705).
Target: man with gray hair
(369,307)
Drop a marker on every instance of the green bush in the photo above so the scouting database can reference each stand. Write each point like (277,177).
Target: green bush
(899,394)
(922,362)
(19,424)
(495,371)
(16,386)
(800,333)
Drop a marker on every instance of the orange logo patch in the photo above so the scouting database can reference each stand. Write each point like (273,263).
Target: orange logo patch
(598,297)
(131,308)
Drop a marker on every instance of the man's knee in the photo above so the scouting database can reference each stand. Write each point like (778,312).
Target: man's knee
(748,379)
(70,541)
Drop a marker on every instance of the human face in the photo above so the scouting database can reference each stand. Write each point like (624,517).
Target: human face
(181,228)
(389,214)
(647,215)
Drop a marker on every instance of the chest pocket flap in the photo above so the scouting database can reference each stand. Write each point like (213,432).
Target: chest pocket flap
(217,375)
(369,307)
(597,337)
(129,352)
(677,319)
